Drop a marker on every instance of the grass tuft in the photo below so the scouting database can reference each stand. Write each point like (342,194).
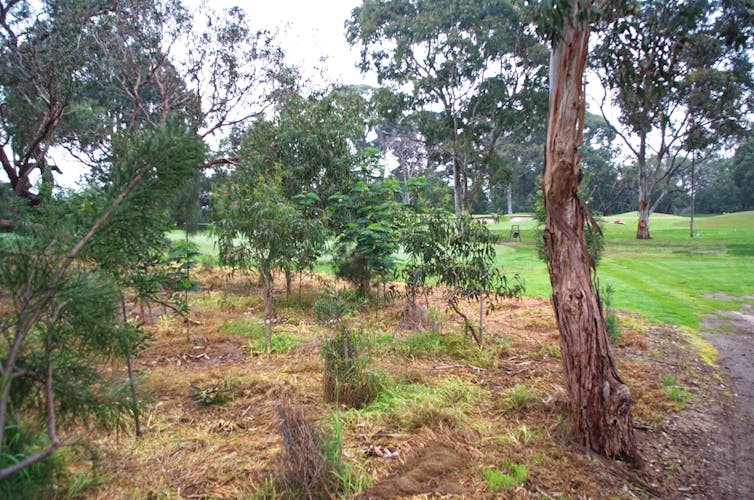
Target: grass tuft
(678,394)
(347,378)
(281,343)
(518,398)
(516,474)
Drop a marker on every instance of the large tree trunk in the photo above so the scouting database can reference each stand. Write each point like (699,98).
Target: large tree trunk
(600,404)
(642,228)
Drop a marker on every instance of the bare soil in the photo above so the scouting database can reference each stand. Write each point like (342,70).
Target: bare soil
(433,469)
(732,334)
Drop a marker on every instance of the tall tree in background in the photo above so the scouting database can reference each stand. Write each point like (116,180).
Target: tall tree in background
(681,78)
(311,139)
(600,403)
(74,74)
(474,61)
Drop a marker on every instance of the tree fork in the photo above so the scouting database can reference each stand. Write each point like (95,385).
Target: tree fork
(600,403)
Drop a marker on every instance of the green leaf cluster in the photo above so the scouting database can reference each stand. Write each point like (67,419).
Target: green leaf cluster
(366,221)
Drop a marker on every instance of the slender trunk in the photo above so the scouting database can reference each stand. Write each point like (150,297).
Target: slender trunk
(457,186)
(406,176)
(600,403)
(188,276)
(642,229)
(299,286)
(691,222)
(131,383)
(509,195)
(267,292)
(458,191)
(288,279)
(481,319)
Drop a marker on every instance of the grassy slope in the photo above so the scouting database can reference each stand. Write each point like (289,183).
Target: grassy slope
(665,279)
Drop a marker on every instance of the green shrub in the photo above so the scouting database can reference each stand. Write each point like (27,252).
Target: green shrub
(347,378)
(333,306)
(611,319)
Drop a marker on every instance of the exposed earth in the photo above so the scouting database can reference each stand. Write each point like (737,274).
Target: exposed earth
(732,334)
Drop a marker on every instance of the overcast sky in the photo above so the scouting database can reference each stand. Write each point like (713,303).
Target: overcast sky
(312,33)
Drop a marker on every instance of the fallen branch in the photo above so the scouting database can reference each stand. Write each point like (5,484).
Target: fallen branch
(447,367)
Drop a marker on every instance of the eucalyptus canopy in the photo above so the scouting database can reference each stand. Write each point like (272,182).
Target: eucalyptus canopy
(471,68)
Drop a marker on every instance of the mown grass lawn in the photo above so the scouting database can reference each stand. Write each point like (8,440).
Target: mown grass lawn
(669,279)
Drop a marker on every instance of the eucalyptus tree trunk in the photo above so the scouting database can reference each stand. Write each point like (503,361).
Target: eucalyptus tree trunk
(642,227)
(600,403)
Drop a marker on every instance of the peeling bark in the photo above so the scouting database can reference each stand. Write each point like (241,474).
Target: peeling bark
(600,403)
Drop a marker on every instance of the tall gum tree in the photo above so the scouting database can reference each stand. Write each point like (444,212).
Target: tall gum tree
(679,74)
(470,68)
(600,403)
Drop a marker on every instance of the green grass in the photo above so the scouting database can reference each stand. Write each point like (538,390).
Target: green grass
(517,398)
(667,279)
(516,474)
(415,405)
(678,394)
(251,330)
(280,343)
(203,240)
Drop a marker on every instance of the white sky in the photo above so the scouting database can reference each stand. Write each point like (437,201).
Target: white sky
(312,33)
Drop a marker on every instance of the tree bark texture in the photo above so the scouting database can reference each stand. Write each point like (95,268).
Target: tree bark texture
(600,403)
(642,227)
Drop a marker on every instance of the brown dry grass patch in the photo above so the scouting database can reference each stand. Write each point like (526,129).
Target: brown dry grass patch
(229,450)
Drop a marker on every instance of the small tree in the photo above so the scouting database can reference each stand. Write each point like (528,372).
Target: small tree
(366,224)
(308,248)
(458,253)
(257,228)
(63,320)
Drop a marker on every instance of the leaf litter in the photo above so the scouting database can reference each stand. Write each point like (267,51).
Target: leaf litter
(231,450)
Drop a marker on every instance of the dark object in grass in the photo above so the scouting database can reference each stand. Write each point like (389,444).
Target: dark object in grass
(304,470)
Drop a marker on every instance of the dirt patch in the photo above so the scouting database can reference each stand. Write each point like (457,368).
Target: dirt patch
(434,469)
(732,334)
(724,296)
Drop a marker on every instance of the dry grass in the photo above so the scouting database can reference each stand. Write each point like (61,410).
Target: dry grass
(506,408)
